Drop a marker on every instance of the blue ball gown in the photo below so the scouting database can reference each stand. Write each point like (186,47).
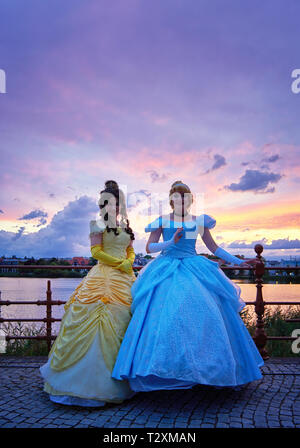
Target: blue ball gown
(185,327)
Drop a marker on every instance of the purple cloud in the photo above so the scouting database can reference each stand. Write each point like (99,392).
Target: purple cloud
(66,234)
(281,243)
(34,214)
(256,181)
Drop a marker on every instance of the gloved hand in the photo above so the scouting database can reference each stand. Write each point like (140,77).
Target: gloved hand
(156,247)
(98,253)
(126,266)
(130,254)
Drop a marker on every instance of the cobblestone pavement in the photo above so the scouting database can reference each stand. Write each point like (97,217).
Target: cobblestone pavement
(271,402)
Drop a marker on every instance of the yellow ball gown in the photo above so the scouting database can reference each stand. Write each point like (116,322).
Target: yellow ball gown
(79,366)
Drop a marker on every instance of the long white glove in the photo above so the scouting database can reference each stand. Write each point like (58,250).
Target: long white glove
(156,247)
(221,253)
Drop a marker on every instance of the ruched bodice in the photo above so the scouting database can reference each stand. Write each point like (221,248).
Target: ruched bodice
(186,246)
(116,245)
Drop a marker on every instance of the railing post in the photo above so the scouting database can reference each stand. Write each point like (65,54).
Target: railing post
(260,337)
(49,315)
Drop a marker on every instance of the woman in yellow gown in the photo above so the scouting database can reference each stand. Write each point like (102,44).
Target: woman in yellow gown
(79,366)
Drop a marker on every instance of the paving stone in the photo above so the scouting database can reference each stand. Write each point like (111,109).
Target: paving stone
(151,424)
(235,425)
(9,425)
(165,425)
(270,402)
(196,421)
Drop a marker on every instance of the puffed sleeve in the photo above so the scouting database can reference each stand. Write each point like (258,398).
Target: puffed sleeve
(154,225)
(97,226)
(205,220)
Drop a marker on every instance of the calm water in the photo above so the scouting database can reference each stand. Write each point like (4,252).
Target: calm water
(62,288)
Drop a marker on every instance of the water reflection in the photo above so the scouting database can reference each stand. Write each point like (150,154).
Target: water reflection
(35,289)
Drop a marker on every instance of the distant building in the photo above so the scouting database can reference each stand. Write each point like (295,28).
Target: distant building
(291,263)
(80,261)
(77,261)
(271,264)
(10,262)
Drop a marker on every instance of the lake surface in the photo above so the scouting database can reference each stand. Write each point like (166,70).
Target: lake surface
(21,288)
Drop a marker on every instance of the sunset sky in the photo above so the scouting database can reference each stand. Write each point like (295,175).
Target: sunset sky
(146,93)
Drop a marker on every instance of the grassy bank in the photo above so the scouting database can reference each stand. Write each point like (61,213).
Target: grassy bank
(275,325)
(25,347)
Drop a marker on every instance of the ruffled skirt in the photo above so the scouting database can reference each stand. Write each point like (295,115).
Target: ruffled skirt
(79,366)
(186,329)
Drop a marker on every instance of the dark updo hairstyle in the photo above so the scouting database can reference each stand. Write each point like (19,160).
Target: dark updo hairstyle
(180,187)
(112,187)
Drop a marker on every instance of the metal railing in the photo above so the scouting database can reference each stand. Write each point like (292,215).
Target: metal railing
(260,337)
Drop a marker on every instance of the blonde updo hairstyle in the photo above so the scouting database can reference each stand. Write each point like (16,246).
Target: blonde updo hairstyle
(183,189)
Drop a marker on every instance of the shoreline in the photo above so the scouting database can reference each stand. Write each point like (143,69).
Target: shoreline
(269,280)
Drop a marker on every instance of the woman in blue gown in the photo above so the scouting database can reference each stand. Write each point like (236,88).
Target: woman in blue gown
(185,327)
